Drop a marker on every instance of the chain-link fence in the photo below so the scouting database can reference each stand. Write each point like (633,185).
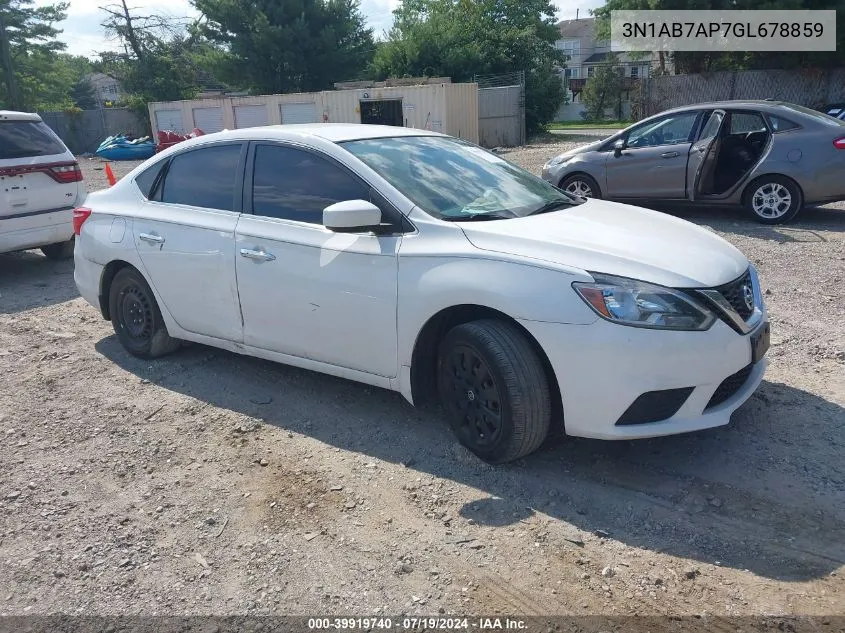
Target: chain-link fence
(807,87)
(501,109)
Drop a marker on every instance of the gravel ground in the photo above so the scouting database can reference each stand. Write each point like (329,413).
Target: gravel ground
(210,483)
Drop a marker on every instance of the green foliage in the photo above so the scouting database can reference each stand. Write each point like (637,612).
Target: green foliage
(698,62)
(162,56)
(602,92)
(83,95)
(32,72)
(292,46)
(462,38)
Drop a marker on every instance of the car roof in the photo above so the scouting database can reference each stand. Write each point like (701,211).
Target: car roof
(333,132)
(11,115)
(759,104)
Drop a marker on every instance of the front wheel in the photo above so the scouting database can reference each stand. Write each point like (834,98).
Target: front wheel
(62,250)
(581,185)
(494,390)
(773,199)
(136,317)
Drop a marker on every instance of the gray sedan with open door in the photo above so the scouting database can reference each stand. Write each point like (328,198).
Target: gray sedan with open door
(773,158)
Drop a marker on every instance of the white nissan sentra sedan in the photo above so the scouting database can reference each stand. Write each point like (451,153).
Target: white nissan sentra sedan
(421,263)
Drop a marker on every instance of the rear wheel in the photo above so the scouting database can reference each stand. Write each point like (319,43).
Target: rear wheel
(136,317)
(581,185)
(773,199)
(62,250)
(494,389)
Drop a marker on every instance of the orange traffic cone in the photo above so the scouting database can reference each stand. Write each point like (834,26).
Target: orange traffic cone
(110,175)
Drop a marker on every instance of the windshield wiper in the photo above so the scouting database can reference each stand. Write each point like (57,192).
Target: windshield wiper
(554,205)
(476,217)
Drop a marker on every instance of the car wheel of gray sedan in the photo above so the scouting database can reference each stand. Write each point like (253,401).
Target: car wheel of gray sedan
(494,389)
(136,317)
(62,250)
(773,199)
(581,185)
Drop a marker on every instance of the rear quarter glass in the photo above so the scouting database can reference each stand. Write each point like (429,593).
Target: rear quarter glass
(28,139)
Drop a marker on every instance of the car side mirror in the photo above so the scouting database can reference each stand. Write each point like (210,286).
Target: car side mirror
(352,216)
(618,146)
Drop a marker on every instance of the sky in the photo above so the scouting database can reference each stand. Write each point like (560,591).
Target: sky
(84,35)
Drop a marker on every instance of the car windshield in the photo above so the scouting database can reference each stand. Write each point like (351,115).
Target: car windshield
(455,180)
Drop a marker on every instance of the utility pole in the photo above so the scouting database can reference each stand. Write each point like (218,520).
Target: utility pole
(8,69)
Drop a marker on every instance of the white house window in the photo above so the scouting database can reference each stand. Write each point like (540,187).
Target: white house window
(635,71)
(570,47)
(572,73)
(590,71)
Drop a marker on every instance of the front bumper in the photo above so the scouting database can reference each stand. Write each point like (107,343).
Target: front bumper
(551,174)
(603,368)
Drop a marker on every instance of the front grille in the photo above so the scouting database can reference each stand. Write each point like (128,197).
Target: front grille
(654,406)
(729,386)
(734,294)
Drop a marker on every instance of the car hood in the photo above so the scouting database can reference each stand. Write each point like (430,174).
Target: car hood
(616,239)
(589,147)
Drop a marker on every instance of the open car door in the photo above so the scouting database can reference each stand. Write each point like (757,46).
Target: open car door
(704,153)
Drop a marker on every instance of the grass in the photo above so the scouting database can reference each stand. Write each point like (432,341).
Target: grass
(586,125)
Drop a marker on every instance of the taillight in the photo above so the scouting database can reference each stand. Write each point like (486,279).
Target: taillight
(68,172)
(839,143)
(79,216)
(60,172)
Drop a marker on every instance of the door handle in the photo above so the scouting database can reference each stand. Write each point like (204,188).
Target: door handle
(257,255)
(151,238)
(669,155)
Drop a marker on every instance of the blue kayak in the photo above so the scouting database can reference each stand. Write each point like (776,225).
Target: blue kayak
(119,148)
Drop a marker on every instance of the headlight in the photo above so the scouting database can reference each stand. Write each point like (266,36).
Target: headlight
(640,304)
(558,160)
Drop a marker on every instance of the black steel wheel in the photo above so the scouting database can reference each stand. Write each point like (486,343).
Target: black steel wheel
(494,390)
(472,397)
(136,317)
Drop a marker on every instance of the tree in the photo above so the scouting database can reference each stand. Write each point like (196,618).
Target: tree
(159,58)
(462,38)
(292,46)
(701,61)
(83,95)
(602,92)
(28,46)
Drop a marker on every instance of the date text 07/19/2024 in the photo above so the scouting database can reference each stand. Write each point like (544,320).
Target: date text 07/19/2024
(418,623)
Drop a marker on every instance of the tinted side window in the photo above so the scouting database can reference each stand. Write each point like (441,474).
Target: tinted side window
(24,139)
(745,122)
(780,124)
(146,179)
(297,185)
(204,177)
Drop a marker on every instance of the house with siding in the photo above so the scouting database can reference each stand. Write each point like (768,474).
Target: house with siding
(585,55)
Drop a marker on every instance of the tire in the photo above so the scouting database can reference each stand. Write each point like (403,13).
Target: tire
(62,250)
(773,199)
(136,317)
(494,390)
(581,182)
